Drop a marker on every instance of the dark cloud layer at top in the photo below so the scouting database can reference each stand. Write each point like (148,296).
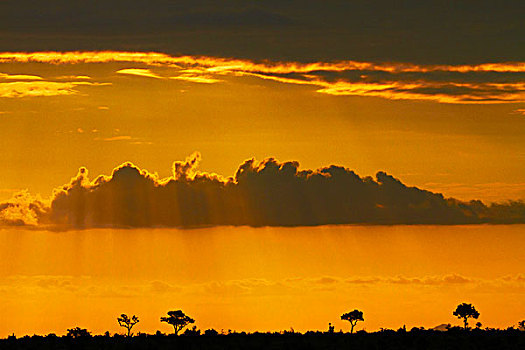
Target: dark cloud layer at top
(471,31)
(268,193)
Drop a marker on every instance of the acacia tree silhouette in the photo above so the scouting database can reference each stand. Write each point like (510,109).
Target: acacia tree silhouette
(128,323)
(353,317)
(178,320)
(466,311)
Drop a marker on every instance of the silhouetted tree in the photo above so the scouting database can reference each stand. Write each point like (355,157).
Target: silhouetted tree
(466,311)
(178,320)
(78,332)
(128,323)
(353,317)
(521,325)
(478,325)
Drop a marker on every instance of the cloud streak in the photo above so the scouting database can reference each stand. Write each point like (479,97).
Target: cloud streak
(139,72)
(266,193)
(479,83)
(5,76)
(36,89)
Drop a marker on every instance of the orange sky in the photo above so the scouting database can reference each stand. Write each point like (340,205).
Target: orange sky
(265,279)
(101,114)
(365,107)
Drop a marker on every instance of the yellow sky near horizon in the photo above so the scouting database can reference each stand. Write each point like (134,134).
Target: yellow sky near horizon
(260,279)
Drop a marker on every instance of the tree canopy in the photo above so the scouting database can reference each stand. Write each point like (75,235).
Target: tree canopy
(466,311)
(178,320)
(126,322)
(353,317)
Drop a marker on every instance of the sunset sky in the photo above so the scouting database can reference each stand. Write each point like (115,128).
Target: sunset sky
(246,135)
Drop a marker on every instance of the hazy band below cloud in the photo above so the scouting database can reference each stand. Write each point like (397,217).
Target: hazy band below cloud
(268,193)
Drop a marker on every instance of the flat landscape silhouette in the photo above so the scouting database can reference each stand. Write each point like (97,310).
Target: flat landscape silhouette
(448,337)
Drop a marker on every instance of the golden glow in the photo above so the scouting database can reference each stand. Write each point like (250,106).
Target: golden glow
(260,279)
(200,69)
(219,64)
(59,112)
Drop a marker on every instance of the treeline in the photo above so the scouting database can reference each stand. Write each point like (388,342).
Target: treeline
(416,338)
(442,337)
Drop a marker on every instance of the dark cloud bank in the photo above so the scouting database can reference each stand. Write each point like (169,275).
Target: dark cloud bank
(268,193)
(430,31)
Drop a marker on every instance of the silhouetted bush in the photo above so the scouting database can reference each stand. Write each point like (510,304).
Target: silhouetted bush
(211,332)
(78,332)
(192,332)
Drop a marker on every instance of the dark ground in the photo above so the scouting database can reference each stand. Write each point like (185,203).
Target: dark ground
(418,339)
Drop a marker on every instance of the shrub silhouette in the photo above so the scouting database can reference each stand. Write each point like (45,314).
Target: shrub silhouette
(178,320)
(521,325)
(466,311)
(331,328)
(78,332)
(192,332)
(353,317)
(211,332)
(128,323)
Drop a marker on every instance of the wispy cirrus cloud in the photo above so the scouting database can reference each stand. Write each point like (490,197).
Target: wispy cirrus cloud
(19,89)
(228,64)
(193,75)
(5,76)
(73,77)
(468,84)
(36,88)
(28,85)
(139,72)
(194,78)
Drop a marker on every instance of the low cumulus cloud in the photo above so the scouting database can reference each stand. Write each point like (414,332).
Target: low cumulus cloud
(88,286)
(266,193)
